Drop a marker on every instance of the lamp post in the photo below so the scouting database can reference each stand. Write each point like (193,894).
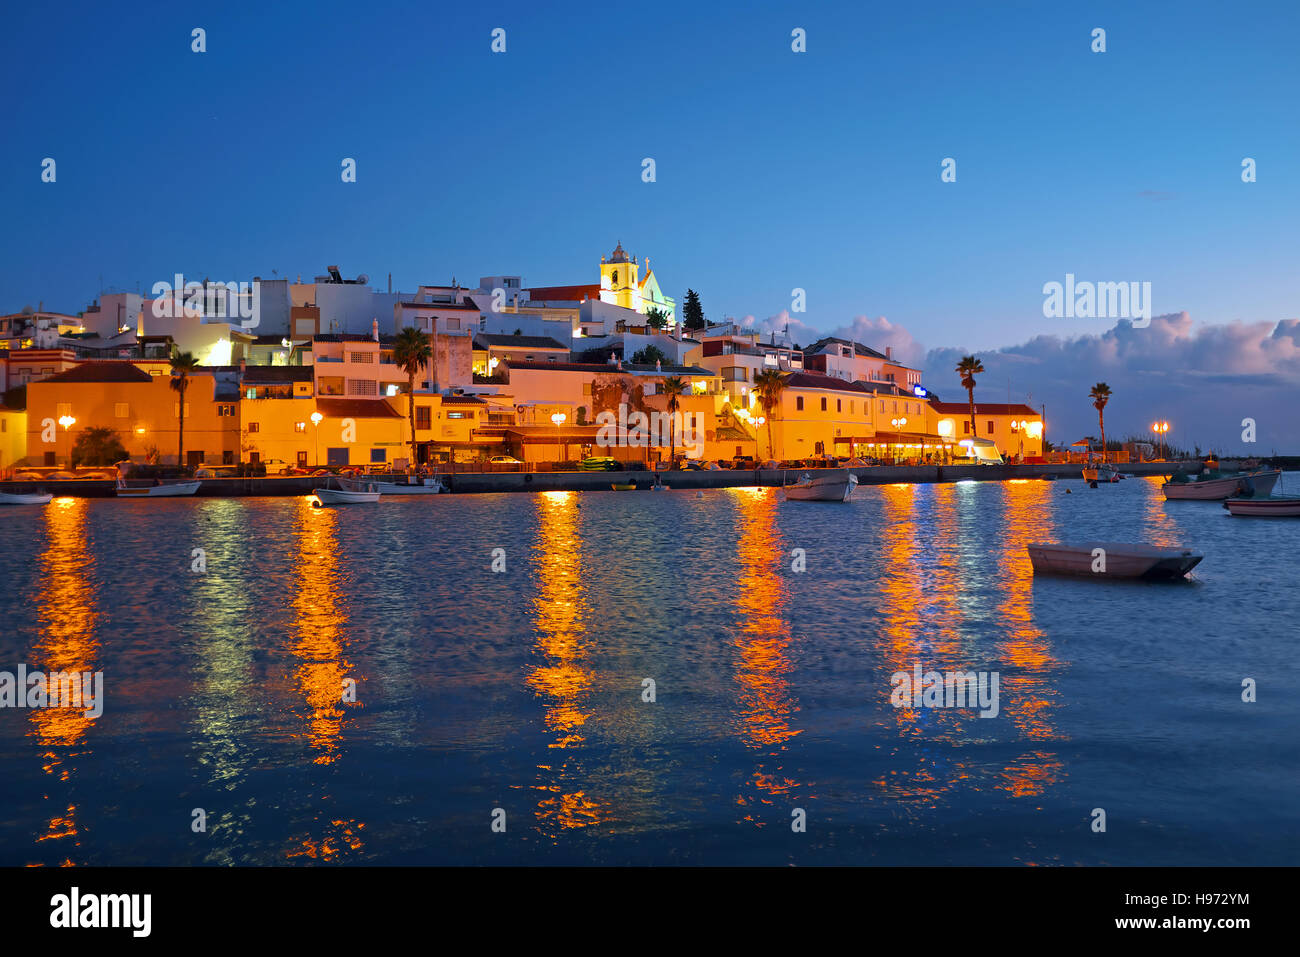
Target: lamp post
(315,421)
(67,422)
(1160,428)
(898,427)
(758,424)
(559,419)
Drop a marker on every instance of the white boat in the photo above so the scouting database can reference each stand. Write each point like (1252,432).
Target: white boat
(25,498)
(823,488)
(1112,560)
(1264,507)
(156,491)
(427,486)
(1214,487)
(346,496)
(1101,473)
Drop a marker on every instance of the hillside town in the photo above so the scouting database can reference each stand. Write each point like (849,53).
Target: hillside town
(280,376)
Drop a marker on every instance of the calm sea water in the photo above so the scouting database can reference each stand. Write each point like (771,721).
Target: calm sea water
(523,690)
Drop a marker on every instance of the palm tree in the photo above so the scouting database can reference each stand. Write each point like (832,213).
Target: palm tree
(1100,395)
(183,366)
(769,384)
(968,369)
(412,352)
(673,387)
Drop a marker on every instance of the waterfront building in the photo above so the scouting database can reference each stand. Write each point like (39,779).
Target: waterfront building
(854,362)
(1017,429)
(13,436)
(623,282)
(491,350)
(736,356)
(342,305)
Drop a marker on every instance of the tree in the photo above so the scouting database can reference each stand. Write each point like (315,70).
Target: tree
(692,312)
(98,446)
(1100,395)
(183,366)
(649,355)
(412,352)
(968,369)
(769,384)
(673,387)
(656,318)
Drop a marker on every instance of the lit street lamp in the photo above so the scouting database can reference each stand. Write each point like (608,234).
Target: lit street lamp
(315,421)
(1160,428)
(559,418)
(898,427)
(67,422)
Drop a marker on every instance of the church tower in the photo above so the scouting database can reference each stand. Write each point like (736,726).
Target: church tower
(619,280)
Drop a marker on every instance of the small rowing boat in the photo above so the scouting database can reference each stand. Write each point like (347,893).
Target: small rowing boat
(1288,507)
(624,486)
(428,486)
(28,498)
(1113,560)
(1216,486)
(1101,473)
(345,496)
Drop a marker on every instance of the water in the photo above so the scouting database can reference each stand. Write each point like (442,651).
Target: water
(523,690)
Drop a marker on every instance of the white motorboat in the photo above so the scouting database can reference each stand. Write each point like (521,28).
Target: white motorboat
(1112,560)
(1101,473)
(1215,487)
(156,491)
(1288,507)
(426,486)
(823,488)
(346,496)
(25,498)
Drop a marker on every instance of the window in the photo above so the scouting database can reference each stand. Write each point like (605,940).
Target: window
(176,409)
(227,458)
(121,410)
(225,411)
(253,427)
(839,405)
(363,387)
(361,357)
(798,403)
(965,427)
(300,426)
(823,403)
(254,458)
(460,415)
(378,456)
(4,425)
(302,460)
(422,420)
(990,426)
(882,405)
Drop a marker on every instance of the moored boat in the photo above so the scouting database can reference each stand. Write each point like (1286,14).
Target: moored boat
(156,491)
(624,486)
(25,498)
(1288,507)
(1215,486)
(1112,560)
(1101,473)
(345,496)
(426,486)
(822,488)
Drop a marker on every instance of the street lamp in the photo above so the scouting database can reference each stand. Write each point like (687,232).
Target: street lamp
(67,422)
(758,424)
(559,419)
(1160,428)
(315,421)
(898,427)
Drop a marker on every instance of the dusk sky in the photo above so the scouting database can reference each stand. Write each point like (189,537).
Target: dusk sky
(774,169)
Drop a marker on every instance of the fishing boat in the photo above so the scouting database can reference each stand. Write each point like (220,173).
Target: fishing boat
(425,486)
(822,488)
(1216,486)
(1288,507)
(1101,473)
(1113,560)
(624,486)
(25,498)
(344,496)
(156,491)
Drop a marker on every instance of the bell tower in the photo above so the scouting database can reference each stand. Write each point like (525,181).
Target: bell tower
(619,279)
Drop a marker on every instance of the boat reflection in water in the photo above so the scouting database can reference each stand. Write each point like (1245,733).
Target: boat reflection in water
(67,616)
(765,706)
(561,679)
(320,622)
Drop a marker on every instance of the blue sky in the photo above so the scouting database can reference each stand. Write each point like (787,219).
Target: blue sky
(775,170)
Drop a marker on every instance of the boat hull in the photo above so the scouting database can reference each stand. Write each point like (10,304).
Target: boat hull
(7,498)
(1103,473)
(397,488)
(159,491)
(823,489)
(1264,507)
(334,496)
(1257,484)
(1120,561)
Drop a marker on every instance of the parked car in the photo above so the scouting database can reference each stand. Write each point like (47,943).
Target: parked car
(504,460)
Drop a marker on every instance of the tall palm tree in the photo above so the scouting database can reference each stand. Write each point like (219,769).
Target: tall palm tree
(769,384)
(1100,395)
(673,387)
(183,366)
(968,369)
(412,352)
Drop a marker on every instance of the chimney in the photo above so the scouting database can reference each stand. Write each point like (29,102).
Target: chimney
(659,365)
(390,283)
(374,329)
(243,365)
(889,352)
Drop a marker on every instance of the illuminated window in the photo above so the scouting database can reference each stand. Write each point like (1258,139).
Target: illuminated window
(300,426)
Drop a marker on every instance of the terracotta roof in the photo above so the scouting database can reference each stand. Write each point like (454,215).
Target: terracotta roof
(462,400)
(564,293)
(984,408)
(357,409)
(103,371)
(519,342)
(815,380)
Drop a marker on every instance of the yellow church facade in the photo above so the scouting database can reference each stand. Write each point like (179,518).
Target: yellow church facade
(623,284)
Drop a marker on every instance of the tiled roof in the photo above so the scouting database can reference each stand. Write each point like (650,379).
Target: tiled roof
(357,409)
(983,408)
(103,371)
(564,293)
(858,348)
(519,342)
(815,380)
(277,374)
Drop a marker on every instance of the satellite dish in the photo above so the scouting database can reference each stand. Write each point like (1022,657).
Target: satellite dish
(363,279)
